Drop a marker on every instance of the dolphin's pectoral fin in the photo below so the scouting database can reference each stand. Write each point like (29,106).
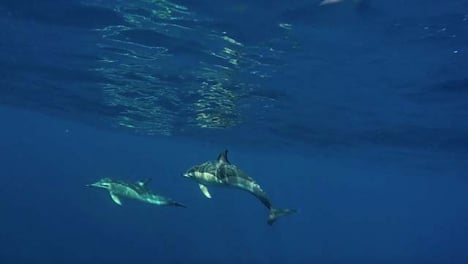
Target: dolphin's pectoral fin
(205,191)
(115,198)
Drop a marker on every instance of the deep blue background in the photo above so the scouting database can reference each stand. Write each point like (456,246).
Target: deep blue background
(368,141)
(358,206)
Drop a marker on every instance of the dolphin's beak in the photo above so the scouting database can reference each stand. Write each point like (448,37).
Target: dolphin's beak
(186,175)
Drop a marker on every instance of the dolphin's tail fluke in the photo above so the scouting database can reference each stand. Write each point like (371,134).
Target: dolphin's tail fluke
(174,203)
(276,213)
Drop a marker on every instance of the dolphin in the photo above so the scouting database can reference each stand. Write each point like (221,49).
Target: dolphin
(137,190)
(221,172)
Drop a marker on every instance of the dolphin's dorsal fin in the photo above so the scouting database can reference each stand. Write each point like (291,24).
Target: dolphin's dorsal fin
(143,183)
(222,157)
(205,191)
(115,198)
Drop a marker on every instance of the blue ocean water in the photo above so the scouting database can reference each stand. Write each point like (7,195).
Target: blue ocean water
(354,112)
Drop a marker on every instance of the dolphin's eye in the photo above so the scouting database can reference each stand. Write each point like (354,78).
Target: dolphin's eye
(189,174)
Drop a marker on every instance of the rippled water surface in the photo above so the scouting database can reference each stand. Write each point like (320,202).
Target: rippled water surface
(354,72)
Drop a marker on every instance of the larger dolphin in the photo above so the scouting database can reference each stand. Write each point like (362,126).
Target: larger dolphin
(222,173)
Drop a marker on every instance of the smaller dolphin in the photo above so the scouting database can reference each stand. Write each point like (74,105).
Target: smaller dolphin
(137,190)
(222,173)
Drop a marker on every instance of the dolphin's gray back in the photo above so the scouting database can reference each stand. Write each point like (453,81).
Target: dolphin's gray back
(126,190)
(229,171)
(222,171)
